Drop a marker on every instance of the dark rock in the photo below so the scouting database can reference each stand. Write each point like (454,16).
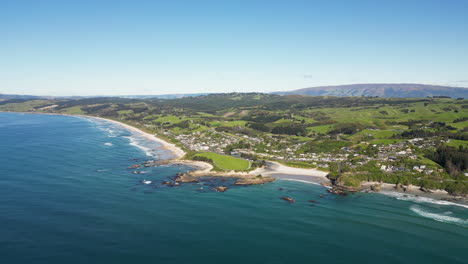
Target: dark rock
(312,201)
(376,187)
(253,180)
(426,190)
(287,199)
(185,178)
(220,188)
(337,191)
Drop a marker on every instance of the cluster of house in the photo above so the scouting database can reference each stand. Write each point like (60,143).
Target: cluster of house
(215,141)
(211,141)
(394,152)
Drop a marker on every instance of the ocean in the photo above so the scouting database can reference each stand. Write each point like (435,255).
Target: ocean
(67,196)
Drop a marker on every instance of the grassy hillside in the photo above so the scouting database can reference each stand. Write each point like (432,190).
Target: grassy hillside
(422,141)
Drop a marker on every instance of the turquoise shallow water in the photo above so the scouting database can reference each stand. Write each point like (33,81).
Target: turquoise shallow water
(68,197)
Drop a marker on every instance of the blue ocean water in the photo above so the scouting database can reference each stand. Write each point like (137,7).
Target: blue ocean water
(67,197)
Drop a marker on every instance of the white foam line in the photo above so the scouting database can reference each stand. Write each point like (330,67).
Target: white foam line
(147,151)
(285,179)
(420,199)
(441,218)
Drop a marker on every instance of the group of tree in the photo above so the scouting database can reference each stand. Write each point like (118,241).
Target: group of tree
(454,160)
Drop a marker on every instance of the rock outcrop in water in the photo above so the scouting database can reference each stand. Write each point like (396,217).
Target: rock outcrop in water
(287,199)
(220,188)
(242,178)
(182,177)
(253,180)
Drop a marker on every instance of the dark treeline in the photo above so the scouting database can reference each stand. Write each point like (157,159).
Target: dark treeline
(259,126)
(462,119)
(217,102)
(265,118)
(349,129)
(13,101)
(419,133)
(454,160)
(296,130)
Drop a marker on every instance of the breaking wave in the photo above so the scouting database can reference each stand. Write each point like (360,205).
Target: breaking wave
(112,130)
(445,217)
(297,180)
(134,142)
(420,199)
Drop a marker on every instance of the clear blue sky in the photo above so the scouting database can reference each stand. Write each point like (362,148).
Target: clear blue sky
(116,47)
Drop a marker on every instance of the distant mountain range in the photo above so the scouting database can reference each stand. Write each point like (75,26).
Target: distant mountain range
(163,96)
(370,89)
(20,97)
(34,97)
(383,90)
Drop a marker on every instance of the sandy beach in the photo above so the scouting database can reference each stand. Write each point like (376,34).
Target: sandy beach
(177,152)
(273,169)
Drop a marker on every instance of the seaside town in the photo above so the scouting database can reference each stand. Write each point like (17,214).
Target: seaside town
(420,142)
(387,157)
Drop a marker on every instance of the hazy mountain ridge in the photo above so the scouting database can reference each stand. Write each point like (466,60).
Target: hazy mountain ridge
(396,90)
(382,90)
(36,97)
(20,97)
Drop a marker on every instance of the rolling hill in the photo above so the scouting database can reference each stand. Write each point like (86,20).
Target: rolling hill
(383,90)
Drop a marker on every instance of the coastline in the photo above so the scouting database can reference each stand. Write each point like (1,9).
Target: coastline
(278,168)
(176,151)
(272,170)
(202,168)
(205,168)
(412,190)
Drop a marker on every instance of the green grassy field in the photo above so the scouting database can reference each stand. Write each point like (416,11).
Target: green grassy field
(226,163)
(457,143)
(22,107)
(74,110)
(229,123)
